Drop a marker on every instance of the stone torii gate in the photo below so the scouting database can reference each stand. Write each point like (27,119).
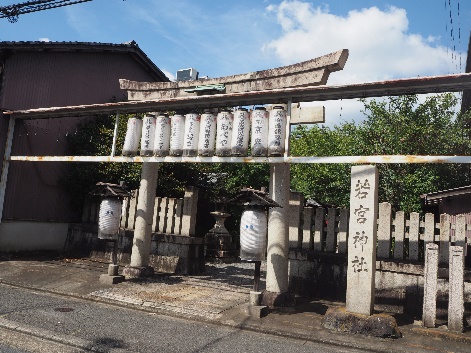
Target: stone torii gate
(302,91)
(313,73)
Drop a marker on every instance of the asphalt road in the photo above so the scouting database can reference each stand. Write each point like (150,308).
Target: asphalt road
(42,322)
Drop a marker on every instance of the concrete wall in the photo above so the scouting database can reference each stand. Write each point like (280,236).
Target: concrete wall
(170,253)
(31,236)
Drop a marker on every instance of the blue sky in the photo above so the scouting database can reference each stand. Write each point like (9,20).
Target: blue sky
(386,39)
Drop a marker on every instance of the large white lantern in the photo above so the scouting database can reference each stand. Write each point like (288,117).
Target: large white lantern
(177,134)
(109,218)
(224,126)
(162,136)
(191,136)
(133,136)
(253,234)
(207,134)
(259,139)
(240,133)
(148,134)
(277,131)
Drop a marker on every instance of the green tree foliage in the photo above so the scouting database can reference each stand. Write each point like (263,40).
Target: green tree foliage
(397,125)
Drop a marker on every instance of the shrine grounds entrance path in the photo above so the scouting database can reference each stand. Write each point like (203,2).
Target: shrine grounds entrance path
(218,297)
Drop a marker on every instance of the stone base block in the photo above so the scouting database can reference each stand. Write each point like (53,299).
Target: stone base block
(138,272)
(257,311)
(107,279)
(255,298)
(277,300)
(378,325)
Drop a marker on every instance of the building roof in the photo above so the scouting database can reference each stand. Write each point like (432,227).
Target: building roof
(435,198)
(131,48)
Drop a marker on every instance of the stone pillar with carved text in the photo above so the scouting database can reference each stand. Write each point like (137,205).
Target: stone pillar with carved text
(362,240)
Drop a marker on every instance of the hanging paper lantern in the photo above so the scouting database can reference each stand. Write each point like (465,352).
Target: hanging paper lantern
(224,124)
(162,136)
(277,131)
(133,136)
(176,135)
(207,134)
(253,234)
(148,134)
(191,135)
(240,133)
(109,218)
(259,139)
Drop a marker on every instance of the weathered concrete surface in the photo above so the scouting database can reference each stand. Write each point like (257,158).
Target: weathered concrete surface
(430,285)
(456,289)
(145,209)
(311,72)
(169,253)
(378,325)
(277,245)
(362,239)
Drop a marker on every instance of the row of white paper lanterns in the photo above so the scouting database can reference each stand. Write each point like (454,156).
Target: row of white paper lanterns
(223,134)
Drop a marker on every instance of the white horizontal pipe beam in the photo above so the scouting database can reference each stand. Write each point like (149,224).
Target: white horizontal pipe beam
(302,160)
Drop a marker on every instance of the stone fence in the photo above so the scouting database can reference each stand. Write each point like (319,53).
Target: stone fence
(174,248)
(318,253)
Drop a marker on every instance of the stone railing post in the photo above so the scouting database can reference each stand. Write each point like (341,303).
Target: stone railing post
(190,206)
(455,289)
(430,285)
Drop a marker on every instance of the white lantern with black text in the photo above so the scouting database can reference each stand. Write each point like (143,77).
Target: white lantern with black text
(207,134)
(133,136)
(191,135)
(177,127)
(224,126)
(277,131)
(259,139)
(162,136)
(240,133)
(148,134)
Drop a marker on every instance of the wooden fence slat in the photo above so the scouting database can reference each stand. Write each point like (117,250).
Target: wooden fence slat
(295,210)
(171,216)
(308,213)
(414,236)
(155,215)
(444,239)
(163,215)
(399,226)
(343,230)
(132,211)
(429,229)
(384,231)
(460,232)
(331,238)
(178,216)
(319,229)
(124,212)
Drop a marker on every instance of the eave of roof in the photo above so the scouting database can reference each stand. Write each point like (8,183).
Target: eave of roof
(88,47)
(437,197)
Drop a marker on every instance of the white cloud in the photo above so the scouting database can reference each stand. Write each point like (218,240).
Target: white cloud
(44,39)
(379,42)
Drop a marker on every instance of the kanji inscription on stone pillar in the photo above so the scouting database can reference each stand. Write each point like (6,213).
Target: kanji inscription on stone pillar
(362,239)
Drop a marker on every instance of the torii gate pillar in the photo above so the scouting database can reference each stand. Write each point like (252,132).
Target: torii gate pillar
(139,266)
